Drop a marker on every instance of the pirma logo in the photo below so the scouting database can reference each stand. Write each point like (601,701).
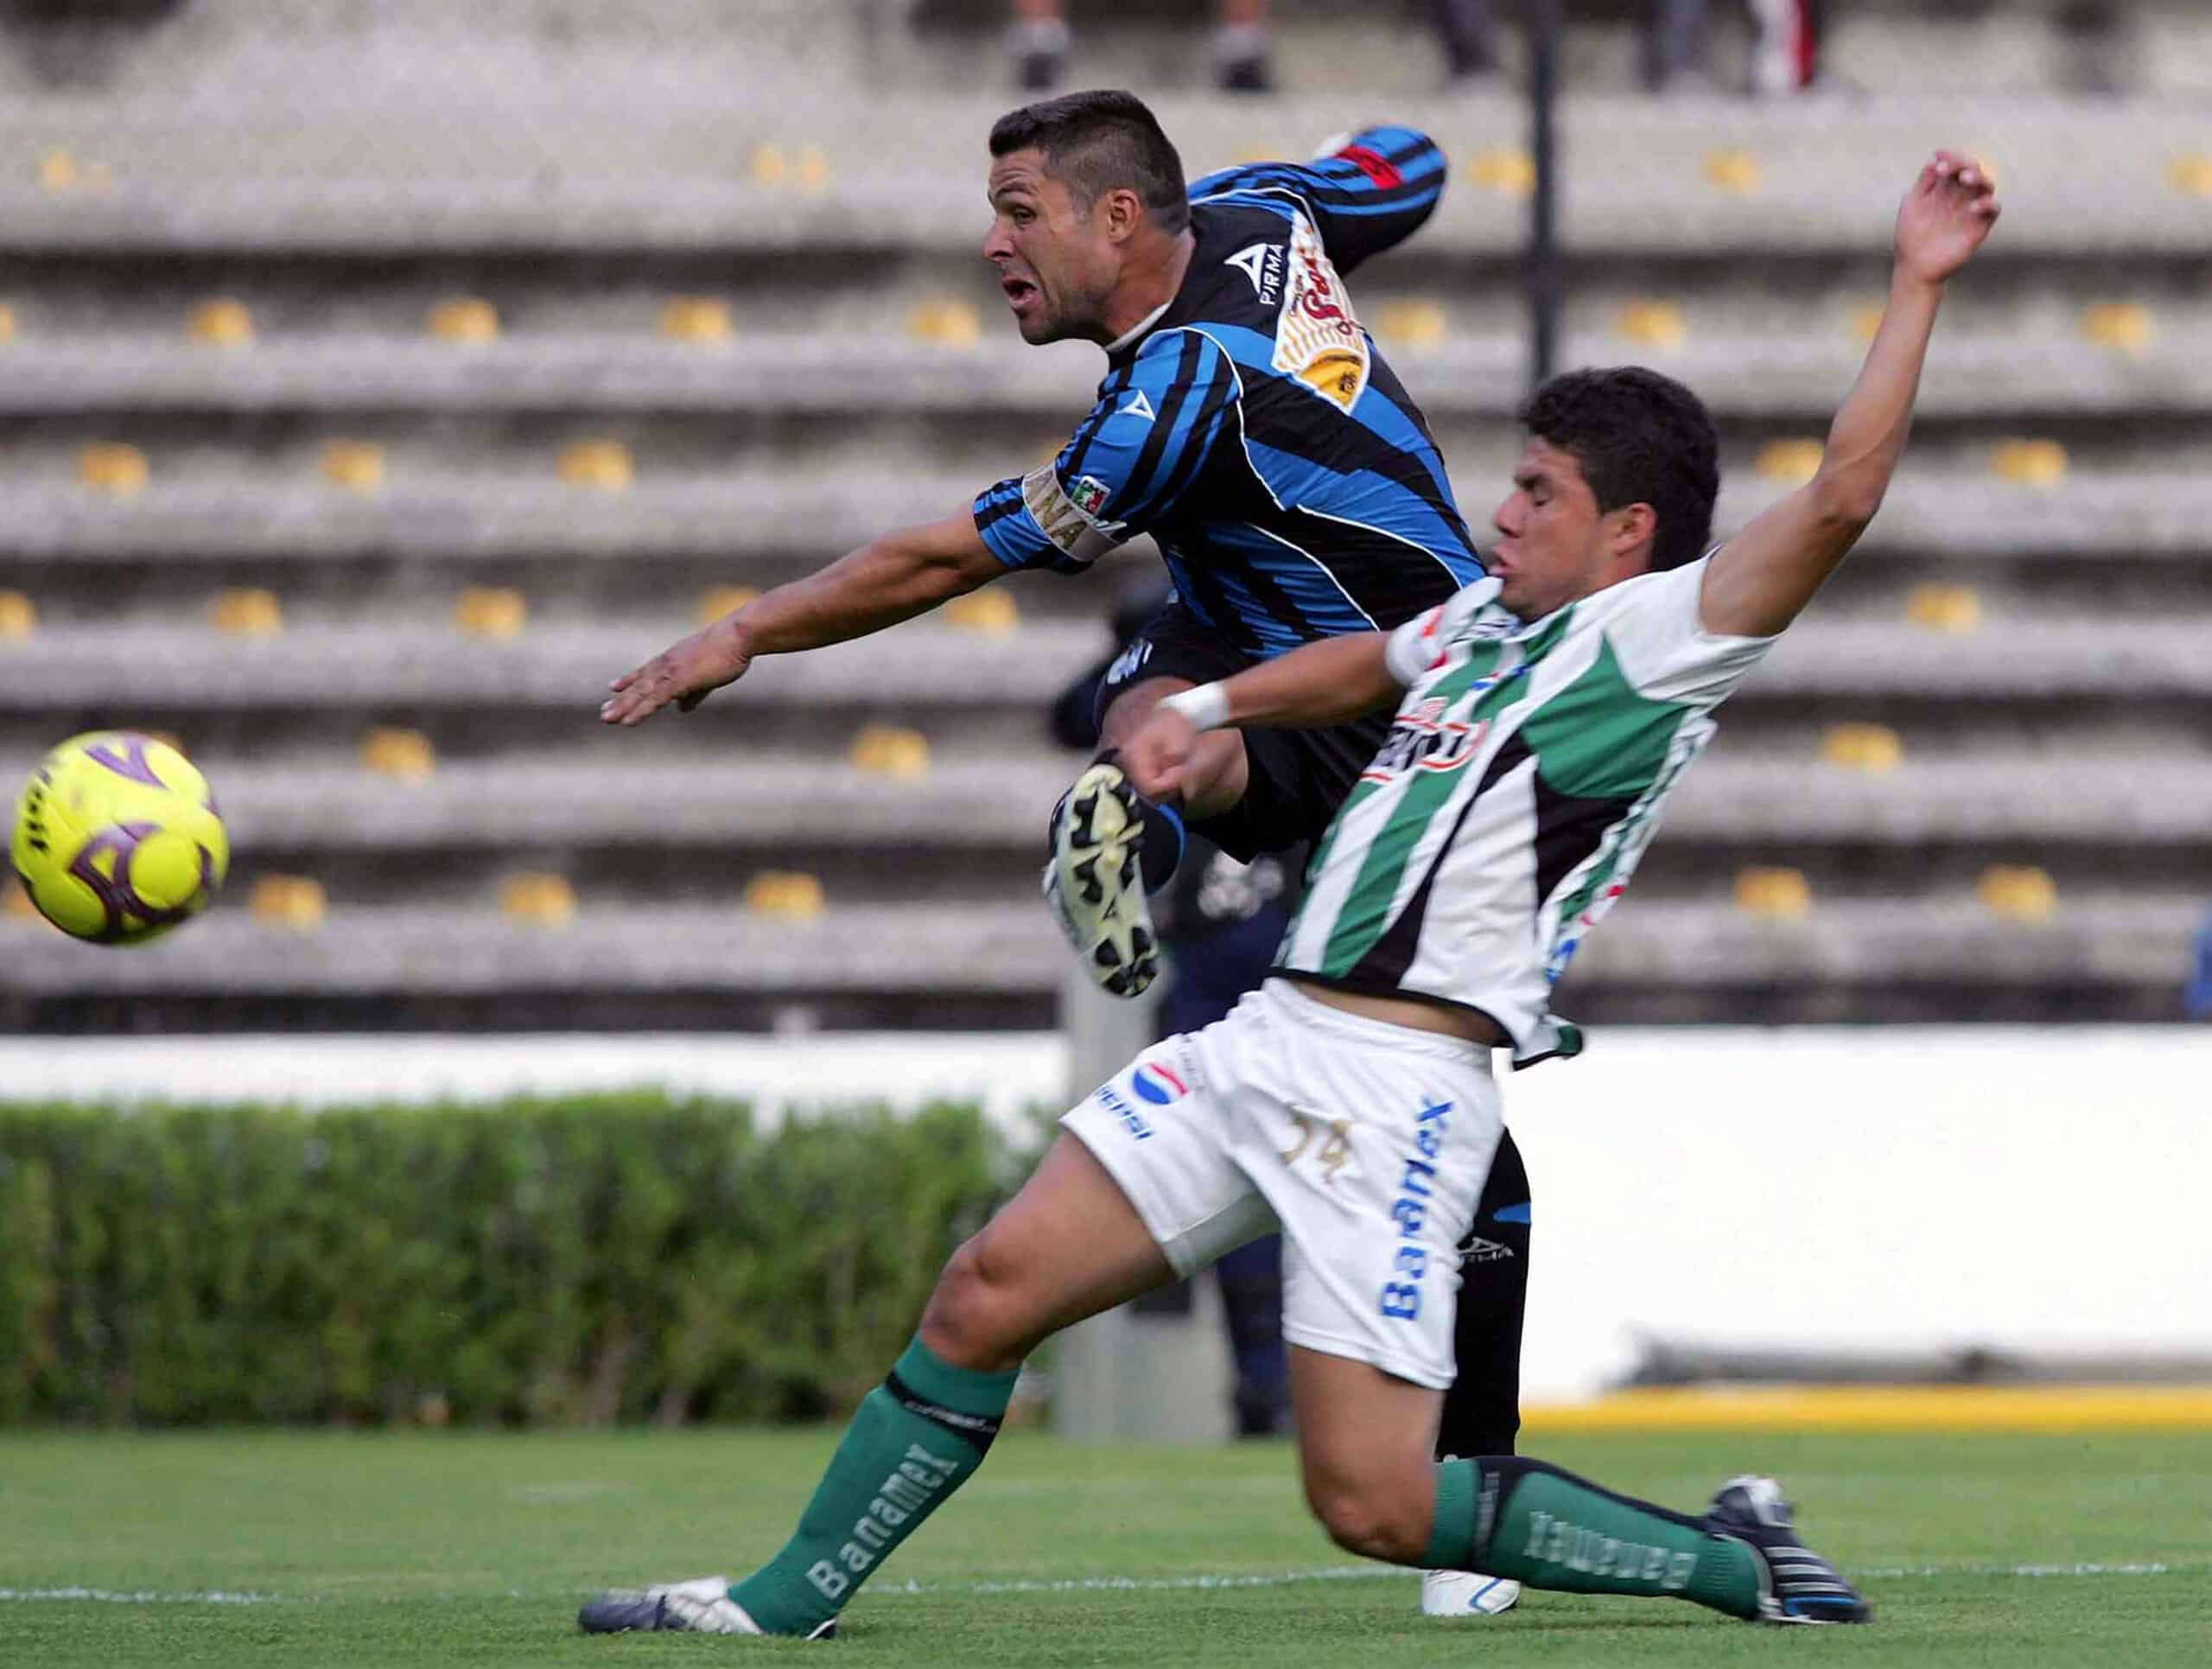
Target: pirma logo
(1154,1082)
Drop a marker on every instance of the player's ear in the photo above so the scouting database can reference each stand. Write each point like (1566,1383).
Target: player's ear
(1634,530)
(1125,214)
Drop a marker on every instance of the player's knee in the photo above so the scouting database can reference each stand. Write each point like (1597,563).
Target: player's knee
(1370,1519)
(977,1317)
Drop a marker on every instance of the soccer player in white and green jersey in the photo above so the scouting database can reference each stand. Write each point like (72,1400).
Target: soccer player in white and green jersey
(1542,715)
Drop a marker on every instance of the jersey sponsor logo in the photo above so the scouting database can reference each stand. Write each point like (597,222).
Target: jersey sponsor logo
(1137,406)
(1153,1081)
(1424,740)
(1129,662)
(1076,531)
(1318,341)
(1571,941)
(1401,1298)
(1263,264)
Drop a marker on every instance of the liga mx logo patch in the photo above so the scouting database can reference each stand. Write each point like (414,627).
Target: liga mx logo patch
(1151,1080)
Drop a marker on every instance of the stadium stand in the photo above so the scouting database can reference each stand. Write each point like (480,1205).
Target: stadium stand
(463,352)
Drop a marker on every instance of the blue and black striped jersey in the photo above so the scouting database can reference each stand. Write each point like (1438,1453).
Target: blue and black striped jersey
(1251,426)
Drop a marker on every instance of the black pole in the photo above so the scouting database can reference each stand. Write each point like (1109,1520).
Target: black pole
(1545,282)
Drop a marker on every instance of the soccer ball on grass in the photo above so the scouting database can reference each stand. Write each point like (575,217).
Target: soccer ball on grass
(117,839)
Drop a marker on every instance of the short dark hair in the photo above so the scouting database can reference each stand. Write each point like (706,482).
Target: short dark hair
(1099,141)
(1641,438)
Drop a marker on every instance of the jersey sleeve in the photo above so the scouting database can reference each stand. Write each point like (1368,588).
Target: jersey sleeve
(1129,463)
(1417,647)
(1364,193)
(1664,648)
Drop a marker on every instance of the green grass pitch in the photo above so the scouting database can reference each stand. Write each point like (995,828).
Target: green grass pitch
(340,1550)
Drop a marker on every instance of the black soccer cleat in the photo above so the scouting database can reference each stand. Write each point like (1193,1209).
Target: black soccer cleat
(702,1606)
(1094,881)
(1796,1584)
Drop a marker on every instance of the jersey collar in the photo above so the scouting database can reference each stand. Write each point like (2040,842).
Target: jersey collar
(1128,338)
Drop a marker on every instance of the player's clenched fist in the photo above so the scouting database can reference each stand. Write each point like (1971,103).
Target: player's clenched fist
(685,674)
(1945,217)
(1155,755)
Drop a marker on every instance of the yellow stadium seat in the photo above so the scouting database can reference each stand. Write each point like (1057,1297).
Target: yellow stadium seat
(7,324)
(1412,323)
(2020,892)
(696,319)
(885,750)
(2030,463)
(18,615)
(465,319)
(991,610)
(1654,324)
(1781,894)
(1732,170)
(2192,175)
(57,171)
(405,755)
(15,901)
(111,466)
(289,901)
(221,321)
(770,166)
(538,896)
(793,894)
(946,323)
(1865,320)
(1794,462)
(1510,172)
(357,466)
(813,170)
(246,611)
(491,611)
(722,601)
(1872,748)
(1944,607)
(2124,326)
(603,466)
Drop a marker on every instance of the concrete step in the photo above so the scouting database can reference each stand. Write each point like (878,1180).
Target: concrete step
(705,800)
(713,945)
(556,669)
(202,511)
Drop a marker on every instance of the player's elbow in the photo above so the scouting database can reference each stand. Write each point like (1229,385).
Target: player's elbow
(1846,500)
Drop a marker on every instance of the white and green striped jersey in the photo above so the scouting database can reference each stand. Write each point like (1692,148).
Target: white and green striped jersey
(1519,785)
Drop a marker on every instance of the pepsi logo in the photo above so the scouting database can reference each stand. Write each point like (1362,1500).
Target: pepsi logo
(1154,1082)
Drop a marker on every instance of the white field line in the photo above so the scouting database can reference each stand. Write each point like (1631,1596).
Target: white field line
(1087,1585)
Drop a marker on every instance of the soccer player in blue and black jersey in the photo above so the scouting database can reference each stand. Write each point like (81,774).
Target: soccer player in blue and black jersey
(1251,428)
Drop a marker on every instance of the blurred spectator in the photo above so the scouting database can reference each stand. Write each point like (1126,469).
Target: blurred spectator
(1041,38)
(1785,45)
(1469,31)
(2197,997)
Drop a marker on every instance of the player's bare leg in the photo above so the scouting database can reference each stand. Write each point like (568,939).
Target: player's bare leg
(1111,848)
(1068,1246)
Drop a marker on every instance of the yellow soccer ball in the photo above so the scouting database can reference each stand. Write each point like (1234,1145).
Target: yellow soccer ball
(117,839)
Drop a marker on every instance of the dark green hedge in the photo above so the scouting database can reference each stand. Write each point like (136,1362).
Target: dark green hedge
(601,1258)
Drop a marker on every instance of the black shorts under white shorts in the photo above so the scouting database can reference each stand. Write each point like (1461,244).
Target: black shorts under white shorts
(1297,778)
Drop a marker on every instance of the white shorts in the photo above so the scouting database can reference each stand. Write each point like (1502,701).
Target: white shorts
(1368,1144)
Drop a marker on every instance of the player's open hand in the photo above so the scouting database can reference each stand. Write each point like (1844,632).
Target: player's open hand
(1945,217)
(1155,755)
(685,674)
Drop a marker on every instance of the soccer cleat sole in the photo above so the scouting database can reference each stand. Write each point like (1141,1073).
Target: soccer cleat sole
(1094,883)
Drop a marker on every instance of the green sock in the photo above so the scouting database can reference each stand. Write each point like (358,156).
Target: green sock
(1536,1524)
(915,1439)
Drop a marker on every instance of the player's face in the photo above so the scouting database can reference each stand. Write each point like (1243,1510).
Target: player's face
(1554,543)
(1056,264)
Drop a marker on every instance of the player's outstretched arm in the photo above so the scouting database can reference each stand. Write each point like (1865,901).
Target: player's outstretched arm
(904,573)
(1759,580)
(1326,682)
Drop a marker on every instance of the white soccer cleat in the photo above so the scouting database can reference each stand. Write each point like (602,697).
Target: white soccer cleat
(1094,884)
(702,1606)
(1464,1593)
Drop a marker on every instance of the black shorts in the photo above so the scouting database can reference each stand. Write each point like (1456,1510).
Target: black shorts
(1298,778)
